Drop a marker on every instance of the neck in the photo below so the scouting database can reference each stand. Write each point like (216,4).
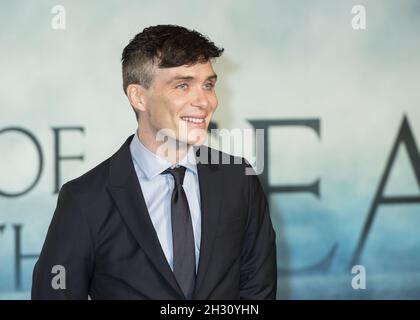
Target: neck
(171,149)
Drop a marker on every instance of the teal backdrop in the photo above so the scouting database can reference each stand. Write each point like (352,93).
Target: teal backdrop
(334,86)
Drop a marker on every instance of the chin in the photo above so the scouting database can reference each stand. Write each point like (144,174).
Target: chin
(198,139)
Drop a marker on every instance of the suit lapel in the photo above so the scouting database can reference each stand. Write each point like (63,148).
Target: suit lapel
(211,190)
(127,194)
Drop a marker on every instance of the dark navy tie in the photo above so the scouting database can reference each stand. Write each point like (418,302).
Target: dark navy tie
(182,235)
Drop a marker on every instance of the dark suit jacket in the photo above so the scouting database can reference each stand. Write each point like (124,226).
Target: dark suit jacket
(101,233)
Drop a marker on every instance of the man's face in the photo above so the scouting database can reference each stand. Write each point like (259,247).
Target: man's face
(182,100)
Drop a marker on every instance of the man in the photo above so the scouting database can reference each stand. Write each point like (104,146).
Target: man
(158,220)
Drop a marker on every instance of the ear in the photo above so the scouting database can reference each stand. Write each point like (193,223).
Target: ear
(136,96)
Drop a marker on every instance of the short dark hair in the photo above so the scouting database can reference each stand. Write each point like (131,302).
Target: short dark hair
(164,46)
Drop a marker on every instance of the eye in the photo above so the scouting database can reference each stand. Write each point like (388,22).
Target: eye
(181,86)
(209,86)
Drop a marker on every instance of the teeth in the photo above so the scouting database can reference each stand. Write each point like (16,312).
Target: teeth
(194,120)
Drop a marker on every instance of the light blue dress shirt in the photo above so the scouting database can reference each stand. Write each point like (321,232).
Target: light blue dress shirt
(157,191)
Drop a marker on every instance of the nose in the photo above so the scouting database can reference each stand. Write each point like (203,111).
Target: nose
(200,98)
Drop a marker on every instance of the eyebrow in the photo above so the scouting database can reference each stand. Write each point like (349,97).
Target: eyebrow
(189,78)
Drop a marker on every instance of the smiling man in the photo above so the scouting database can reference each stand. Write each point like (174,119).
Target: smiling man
(159,219)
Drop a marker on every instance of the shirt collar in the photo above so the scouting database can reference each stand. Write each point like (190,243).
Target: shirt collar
(152,165)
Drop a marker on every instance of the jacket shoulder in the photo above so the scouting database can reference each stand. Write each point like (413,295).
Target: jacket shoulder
(97,178)
(226,161)
(93,180)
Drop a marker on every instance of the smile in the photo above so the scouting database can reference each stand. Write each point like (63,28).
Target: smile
(193,120)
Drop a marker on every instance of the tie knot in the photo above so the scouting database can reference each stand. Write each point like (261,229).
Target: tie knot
(178,173)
